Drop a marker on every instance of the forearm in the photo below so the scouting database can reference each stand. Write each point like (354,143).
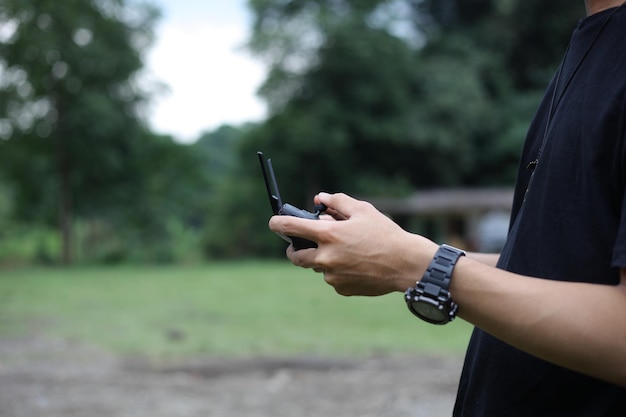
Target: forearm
(574,325)
(490,259)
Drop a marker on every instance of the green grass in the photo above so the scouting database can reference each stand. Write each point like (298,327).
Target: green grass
(224,309)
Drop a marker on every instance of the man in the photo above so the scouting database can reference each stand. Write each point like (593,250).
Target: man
(550,311)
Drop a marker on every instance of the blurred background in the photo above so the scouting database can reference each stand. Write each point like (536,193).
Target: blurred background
(133,212)
(124,131)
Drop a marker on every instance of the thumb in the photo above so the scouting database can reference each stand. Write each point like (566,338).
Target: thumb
(340,204)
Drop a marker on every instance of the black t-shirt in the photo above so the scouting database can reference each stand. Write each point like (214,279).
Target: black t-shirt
(571,226)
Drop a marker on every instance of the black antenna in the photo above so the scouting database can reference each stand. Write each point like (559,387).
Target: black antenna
(275,201)
(274,183)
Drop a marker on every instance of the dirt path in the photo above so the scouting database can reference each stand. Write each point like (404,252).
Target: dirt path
(55,378)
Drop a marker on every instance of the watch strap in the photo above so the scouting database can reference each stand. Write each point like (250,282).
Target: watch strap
(439,271)
(434,286)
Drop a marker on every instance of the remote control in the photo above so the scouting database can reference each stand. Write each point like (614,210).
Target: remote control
(284,209)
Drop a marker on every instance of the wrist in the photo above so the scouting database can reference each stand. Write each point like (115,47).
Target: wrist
(430,298)
(416,254)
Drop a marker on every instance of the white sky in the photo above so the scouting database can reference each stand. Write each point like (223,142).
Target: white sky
(211,80)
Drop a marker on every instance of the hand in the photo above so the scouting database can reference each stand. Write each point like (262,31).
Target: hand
(360,250)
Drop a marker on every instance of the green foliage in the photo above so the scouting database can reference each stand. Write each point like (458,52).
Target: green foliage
(223,309)
(346,105)
(382,97)
(236,209)
(375,97)
(21,243)
(527,37)
(6,204)
(238,223)
(69,105)
(77,149)
(217,152)
(433,106)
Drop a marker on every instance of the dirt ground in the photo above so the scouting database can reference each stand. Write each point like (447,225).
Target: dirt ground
(57,378)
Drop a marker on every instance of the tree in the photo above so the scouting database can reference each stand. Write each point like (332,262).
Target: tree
(69,104)
(403,93)
(385,96)
(527,37)
(511,48)
(333,104)
(234,201)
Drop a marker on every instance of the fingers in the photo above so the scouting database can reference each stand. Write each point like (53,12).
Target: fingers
(336,283)
(304,258)
(341,206)
(295,226)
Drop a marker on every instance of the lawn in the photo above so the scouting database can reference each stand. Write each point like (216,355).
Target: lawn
(247,308)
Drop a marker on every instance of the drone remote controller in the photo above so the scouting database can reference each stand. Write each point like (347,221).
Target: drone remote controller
(285,209)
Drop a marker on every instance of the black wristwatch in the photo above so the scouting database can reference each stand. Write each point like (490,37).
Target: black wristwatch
(430,299)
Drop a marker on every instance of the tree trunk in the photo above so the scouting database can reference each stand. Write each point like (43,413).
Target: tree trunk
(65,192)
(65,207)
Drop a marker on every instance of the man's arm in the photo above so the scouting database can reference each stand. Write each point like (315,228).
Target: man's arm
(490,259)
(575,325)
(578,326)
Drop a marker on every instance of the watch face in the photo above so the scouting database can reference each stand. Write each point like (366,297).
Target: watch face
(429,312)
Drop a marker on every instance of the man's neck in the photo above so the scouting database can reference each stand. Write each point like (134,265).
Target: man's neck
(595,6)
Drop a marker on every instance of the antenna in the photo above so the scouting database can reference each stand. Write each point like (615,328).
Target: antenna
(274,183)
(275,201)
